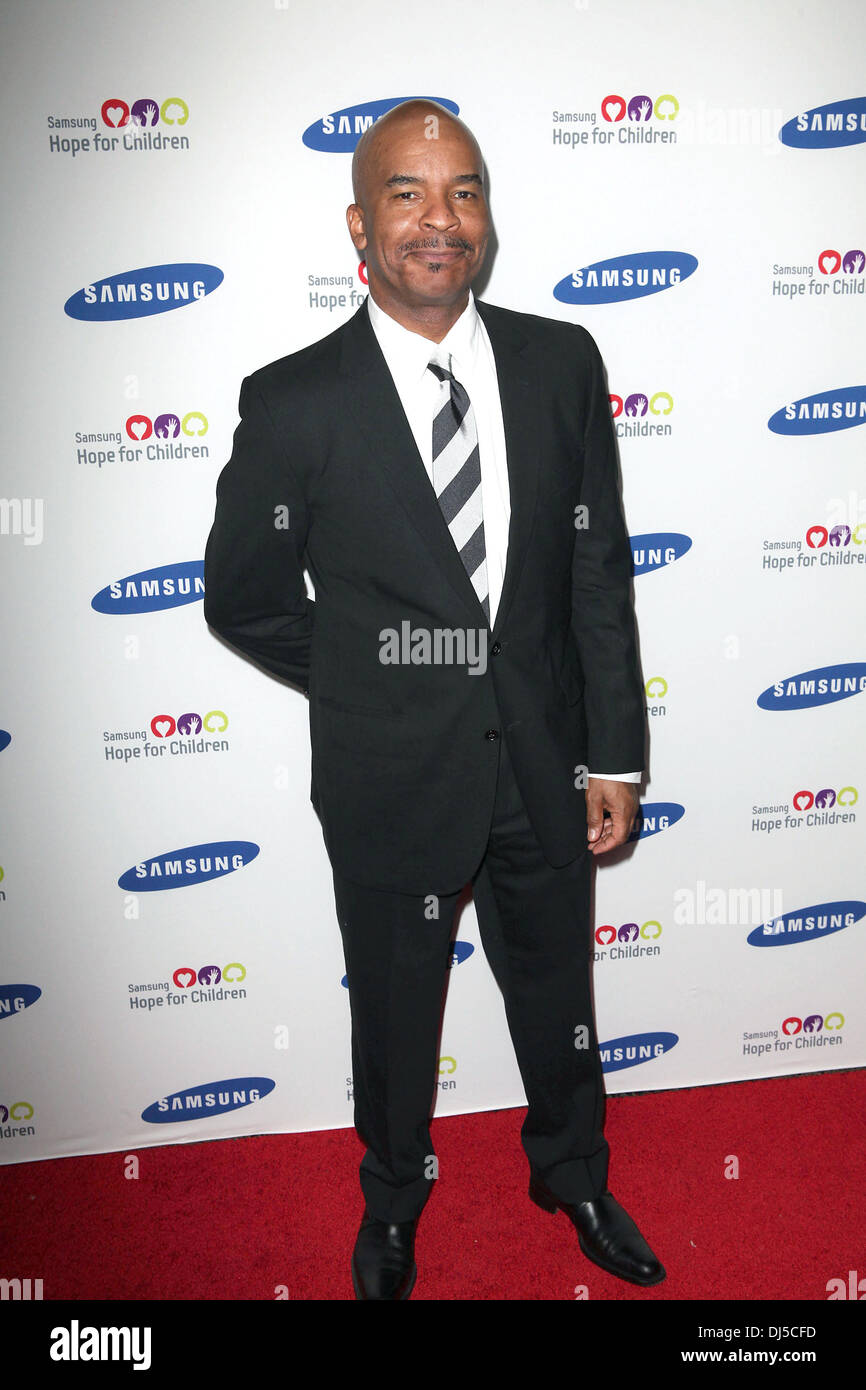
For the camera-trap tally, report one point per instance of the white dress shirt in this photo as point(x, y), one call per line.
point(472, 363)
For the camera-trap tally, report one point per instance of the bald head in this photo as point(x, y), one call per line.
point(380, 141)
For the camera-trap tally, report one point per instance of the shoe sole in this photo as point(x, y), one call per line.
point(546, 1204)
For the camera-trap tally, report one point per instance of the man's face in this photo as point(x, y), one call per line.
point(424, 223)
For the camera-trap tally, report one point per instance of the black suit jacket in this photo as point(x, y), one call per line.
point(404, 757)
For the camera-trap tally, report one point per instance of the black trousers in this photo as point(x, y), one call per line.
point(535, 930)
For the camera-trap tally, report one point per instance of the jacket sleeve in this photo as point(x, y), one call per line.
point(603, 619)
point(255, 595)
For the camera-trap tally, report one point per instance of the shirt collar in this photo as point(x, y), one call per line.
point(408, 353)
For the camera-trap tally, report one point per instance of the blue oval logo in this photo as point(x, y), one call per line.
point(5, 739)
point(823, 686)
point(460, 951)
point(626, 277)
point(214, 1098)
point(827, 127)
point(655, 816)
point(168, 586)
point(195, 864)
point(656, 549)
point(807, 924)
point(136, 294)
point(15, 998)
point(630, 1051)
point(822, 414)
point(340, 132)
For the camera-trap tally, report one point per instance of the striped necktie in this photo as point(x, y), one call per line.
point(457, 476)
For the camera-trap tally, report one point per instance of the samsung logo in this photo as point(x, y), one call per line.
point(827, 127)
point(460, 951)
point(152, 290)
point(630, 1051)
point(15, 998)
point(340, 132)
point(169, 586)
point(195, 864)
point(657, 549)
point(830, 410)
point(807, 924)
point(823, 686)
point(5, 739)
point(626, 277)
point(656, 816)
point(214, 1098)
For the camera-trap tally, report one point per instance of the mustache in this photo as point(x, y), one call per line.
point(436, 244)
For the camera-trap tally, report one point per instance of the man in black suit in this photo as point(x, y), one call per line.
point(446, 471)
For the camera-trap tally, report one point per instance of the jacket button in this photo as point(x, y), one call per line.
point(496, 649)
point(492, 735)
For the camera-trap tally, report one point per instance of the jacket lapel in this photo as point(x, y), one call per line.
point(375, 410)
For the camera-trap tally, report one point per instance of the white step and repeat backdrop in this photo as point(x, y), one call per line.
point(687, 182)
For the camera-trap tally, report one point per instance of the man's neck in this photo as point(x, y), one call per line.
point(433, 321)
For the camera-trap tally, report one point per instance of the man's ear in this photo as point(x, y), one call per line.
point(355, 223)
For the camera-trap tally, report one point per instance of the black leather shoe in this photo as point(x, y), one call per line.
point(383, 1261)
point(606, 1235)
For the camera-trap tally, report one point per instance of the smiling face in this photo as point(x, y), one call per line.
point(421, 217)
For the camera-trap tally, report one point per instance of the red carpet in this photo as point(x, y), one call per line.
point(234, 1218)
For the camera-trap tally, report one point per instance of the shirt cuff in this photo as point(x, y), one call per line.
point(618, 776)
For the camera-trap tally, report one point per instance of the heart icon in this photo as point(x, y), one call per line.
point(816, 536)
point(115, 112)
point(829, 262)
point(605, 935)
point(139, 427)
point(617, 104)
point(162, 725)
point(182, 978)
point(802, 801)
